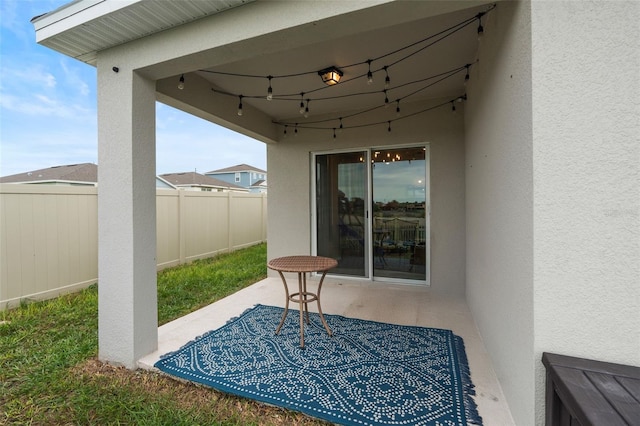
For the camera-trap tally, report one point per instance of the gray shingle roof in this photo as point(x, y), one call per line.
point(238, 168)
point(84, 172)
point(196, 179)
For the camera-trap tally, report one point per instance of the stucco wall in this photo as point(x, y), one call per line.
point(290, 182)
point(586, 126)
point(499, 202)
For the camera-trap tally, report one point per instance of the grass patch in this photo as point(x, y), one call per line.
point(49, 373)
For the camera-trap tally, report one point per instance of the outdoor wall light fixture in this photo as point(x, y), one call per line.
point(330, 75)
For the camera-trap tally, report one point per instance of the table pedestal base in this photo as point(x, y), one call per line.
point(303, 298)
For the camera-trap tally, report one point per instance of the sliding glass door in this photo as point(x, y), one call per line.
point(341, 223)
point(399, 194)
point(371, 212)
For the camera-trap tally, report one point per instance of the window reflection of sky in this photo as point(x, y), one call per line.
point(402, 181)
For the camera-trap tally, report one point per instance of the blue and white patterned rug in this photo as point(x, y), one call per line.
point(368, 373)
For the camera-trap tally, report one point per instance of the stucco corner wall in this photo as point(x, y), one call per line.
point(499, 199)
point(586, 122)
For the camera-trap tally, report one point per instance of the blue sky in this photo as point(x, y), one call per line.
point(48, 111)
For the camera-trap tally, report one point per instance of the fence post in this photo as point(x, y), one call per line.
point(182, 224)
point(263, 215)
point(229, 222)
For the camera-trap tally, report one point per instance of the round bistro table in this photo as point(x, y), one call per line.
point(302, 265)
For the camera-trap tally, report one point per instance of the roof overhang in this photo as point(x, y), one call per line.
point(82, 28)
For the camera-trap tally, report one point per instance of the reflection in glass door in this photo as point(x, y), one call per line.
point(341, 223)
point(399, 202)
point(371, 213)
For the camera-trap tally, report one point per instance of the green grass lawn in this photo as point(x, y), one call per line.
point(49, 374)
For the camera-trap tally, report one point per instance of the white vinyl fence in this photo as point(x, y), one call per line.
point(49, 234)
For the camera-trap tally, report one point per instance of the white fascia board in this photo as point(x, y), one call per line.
point(74, 14)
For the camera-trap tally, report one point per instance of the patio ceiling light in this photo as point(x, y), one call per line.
point(330, 75)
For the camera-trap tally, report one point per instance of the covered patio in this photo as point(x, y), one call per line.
point(530, 218)
point(391, 303)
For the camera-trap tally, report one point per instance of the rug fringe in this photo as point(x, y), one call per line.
point(468, 388)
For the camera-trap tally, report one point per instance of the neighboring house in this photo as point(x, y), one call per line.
point(243, 175)
point(531, 188)
point(192, 181)
point(85, 174)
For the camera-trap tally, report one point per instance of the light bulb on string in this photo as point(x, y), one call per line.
point(269, 90)
point(285, 130)
point(387, 80)
point(480, 27)
point(306, 109)
point(181, 82)
point(334, 133)
point(369, 73)
point(389, 128)
point(453, 107)
point(466, 77)
point(386, 98)
point(398, 107)
point(341, 126)
point(301, 103)
point(240, 106)
point(295, 130)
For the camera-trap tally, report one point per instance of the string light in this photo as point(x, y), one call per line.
point(388, 122)
point(181, 82)
point(453, 107)
point(285, 130)
point(334, 132)
point(295, 130)
point(387, 80)
point(269, 90)
point(305, 100)
point(480, 27)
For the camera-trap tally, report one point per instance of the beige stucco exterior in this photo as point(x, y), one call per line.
point(535, 187)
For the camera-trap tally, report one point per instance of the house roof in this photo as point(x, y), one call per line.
point(109, 24)
point(84, 172)
point(238, 168)
point(197, 179)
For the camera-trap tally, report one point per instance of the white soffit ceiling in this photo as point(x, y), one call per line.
point(441, 56)
point(83, 27)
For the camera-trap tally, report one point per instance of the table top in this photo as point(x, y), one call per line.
point(302, 264)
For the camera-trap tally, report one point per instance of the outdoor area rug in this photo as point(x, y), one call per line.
point(368, 373)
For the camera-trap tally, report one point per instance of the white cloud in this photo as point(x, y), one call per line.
point(73, 79)
point(43, 105)
point(31, 75)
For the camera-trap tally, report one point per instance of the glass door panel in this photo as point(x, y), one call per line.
point(399, 192)
point(341, 223)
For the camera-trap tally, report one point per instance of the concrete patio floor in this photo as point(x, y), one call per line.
point(384, 302)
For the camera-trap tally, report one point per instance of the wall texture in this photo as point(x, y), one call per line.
point(289, 163)
point(586, 127)
point(49, 235)
point(499, 202)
